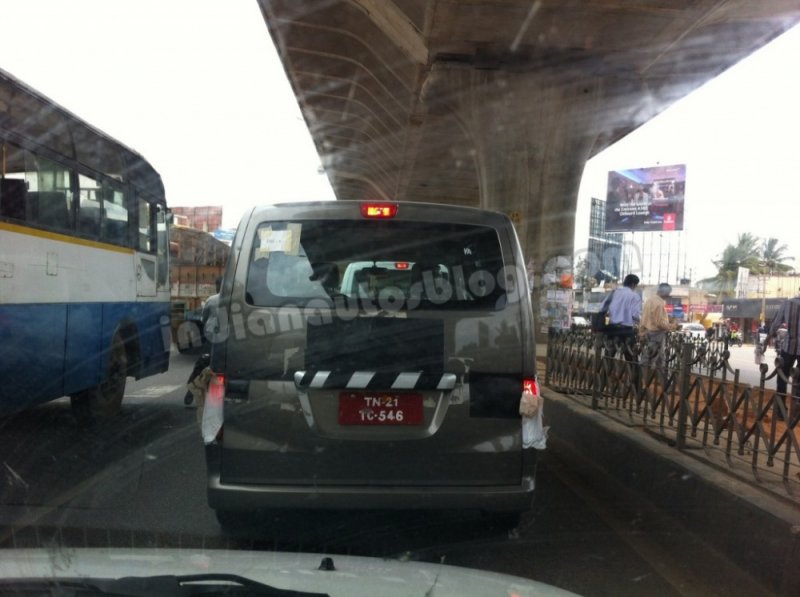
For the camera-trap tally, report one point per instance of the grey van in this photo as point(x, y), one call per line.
point(371, 355)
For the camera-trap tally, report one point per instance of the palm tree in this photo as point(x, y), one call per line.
point(773, 257)
point(745, 253)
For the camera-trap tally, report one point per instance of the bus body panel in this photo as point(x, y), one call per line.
point(66, 345)
point(62, 299)
point(145, 321)
point(84, 345)
point(32, 339)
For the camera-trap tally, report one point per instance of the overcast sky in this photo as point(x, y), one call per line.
point(739, 136)
point(196, 87)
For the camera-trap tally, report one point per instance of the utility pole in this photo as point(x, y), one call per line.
point(669, 256)
point(660, 255)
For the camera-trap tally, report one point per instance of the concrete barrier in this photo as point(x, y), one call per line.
point(756, 531)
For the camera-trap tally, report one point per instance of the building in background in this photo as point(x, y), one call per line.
point(197, 260)
point(207, 218)
point(598, 264)
point(759, 300)
point(604, 249)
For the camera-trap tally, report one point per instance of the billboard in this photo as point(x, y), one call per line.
point(646, 199)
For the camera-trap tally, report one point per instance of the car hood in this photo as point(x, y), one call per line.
point(353, 576)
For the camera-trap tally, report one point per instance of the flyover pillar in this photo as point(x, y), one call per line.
point(532, 132)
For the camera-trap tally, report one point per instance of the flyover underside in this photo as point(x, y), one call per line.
point(498, 103)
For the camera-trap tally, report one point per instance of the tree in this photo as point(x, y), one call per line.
point(773, 256)
point(760, 256)
point(583, 278)
point(745, 253)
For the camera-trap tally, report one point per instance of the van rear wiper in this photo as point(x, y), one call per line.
point(153, 586)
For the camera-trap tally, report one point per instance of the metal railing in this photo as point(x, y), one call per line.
point(691, 397)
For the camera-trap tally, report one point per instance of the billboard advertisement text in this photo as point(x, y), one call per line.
point(646, 199)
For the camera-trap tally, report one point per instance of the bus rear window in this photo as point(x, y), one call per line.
point(386, 265)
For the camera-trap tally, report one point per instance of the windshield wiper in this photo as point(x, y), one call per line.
point(153, 586)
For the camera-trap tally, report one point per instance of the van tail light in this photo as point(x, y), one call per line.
point(213, 410)
point(529, 384)
point(379, 210)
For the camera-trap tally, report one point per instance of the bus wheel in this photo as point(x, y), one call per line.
point(103, 400)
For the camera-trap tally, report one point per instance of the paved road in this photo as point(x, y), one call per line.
point(743, 358)
point(140, 482)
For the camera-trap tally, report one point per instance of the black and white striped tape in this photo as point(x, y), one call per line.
point(374, 380)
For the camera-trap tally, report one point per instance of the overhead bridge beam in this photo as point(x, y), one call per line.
point(396, 26)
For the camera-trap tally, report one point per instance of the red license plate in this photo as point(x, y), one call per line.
point(380, 408)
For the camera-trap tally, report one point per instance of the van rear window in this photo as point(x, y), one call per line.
point(389, 265)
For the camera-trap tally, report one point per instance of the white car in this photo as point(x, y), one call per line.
point(196, 572)
point(580, 322)
point(693, 330)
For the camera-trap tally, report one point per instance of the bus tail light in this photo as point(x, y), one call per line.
point(379, 210)
point(213, 410)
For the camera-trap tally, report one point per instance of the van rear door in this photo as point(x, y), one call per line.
point(376, 353)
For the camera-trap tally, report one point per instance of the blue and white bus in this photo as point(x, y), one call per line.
point(84, 272)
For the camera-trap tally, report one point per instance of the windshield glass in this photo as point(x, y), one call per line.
point(402, 264)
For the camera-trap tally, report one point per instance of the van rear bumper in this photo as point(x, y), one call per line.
point(245, 497)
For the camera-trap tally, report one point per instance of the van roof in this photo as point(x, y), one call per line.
point(407, 210)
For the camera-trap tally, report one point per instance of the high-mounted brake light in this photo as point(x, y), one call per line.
point(530, 385)
point(379, 210)
point(401, 265)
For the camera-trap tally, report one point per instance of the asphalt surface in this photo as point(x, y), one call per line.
point(140, 481)
point(743, 359)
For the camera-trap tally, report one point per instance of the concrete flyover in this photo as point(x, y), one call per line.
point(499, 103)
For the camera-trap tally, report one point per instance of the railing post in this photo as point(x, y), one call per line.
point(548, 356)
point(683, 394)
point(597, 372)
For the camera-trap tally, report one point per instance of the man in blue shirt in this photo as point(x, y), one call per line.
point(625, 310)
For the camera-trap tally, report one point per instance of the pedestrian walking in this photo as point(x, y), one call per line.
point(654, 326)
point(624, 312)
point(787, 343)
